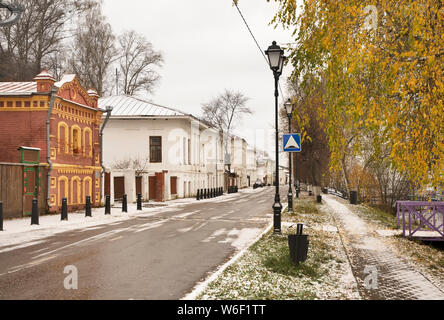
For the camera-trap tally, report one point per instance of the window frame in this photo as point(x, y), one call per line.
point(158, 151)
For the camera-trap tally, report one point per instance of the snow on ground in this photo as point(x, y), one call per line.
point(261, 272)
point(19, 233)
point(397, 277)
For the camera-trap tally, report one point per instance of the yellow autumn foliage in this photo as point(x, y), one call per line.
point(383, 63)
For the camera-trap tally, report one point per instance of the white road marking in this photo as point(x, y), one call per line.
point(184, 215)
point(28, 265)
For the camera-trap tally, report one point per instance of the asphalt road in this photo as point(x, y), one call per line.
point(161, 256)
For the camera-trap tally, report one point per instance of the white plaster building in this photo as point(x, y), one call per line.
point(159, 152)
point(252, 172)
point(265, 170)
point(239, 161)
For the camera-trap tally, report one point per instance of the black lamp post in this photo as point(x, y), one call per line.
point(276, 60)
point(289, 109)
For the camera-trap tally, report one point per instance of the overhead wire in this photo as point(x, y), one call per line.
point(254, 38)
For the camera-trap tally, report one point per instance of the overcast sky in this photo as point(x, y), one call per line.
point(207, 48)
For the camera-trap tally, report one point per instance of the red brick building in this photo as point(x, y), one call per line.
point(58, 125)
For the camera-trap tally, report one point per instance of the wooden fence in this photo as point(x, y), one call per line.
point(12, 189)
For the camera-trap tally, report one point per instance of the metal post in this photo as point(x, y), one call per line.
point(198, 195)
point(64, 209)
point(107, 204)
point(1, 216)
point(88, 207)
point(277, 206)
point(139, 202)
point(290, 190)
point(125, 203)
point(35, 213)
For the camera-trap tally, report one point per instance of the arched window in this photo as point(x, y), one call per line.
point(76, 140)
point(62, 189)
point(87, 142)
point(62, 137)
point(76, 194)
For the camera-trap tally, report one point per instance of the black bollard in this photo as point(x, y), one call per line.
point(354, 197)
point(299, 229)
point(88, 207)
point(205, 193)
point(212, 193)
point(64, 209)
point(108, 205)
point(125, 203)
point(139, 202)
point(35, 213)
point(198, 195)
point(1, 216)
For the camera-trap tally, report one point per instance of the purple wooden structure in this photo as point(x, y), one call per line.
point(424, 220)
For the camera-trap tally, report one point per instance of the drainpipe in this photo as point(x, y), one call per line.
point(108, 115)
point(48, 146)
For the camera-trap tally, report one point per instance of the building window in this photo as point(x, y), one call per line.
point(155, 149)
point(76, 145)
point(189, 151)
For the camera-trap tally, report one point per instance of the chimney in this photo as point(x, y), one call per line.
point(45, 81)
point(94, 96)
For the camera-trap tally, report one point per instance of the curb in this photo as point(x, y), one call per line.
point(200, 287)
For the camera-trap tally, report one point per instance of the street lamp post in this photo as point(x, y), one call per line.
point(289, 109)
point(276, 60)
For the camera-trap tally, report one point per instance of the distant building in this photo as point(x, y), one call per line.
point(50, 130)
point(239, 161)
point(158, 152)
point(266, 170)
point(251, 162)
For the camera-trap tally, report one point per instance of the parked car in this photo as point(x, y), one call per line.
point(258, 184)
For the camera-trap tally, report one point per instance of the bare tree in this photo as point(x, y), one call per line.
point(137, 164)
point(137, 63)
point(40, 32)
point(226, 110)
point(93, 50)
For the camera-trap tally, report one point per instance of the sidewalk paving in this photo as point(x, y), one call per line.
point(19, 233)
point(397, 278)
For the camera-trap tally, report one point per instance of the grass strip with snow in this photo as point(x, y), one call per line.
point(265, 271)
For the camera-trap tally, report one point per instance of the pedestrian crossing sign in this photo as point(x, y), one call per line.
point(292, 142)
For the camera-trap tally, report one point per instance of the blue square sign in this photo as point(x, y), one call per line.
point(292, 142)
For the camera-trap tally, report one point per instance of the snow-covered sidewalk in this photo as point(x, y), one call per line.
point(381, 274)
point(19, 232)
